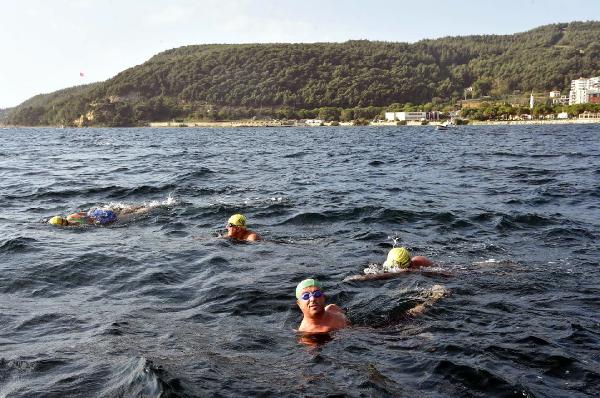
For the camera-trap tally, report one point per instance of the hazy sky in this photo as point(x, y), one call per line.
point(46, 44)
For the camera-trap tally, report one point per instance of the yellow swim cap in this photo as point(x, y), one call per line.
point(58, 220)
point(398, 257)
point(239, 220)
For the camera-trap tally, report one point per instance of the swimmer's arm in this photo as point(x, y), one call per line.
point(420, 261)
point(416, 310)
point(142, 210)
point(437, 292)
point(435, 273)
point(390, 275)
point(132, 211)
point(420, 308)
point(373, 277)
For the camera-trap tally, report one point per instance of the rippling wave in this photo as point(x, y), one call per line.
point(161, 306)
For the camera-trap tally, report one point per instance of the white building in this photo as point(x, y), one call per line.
point(418, 116)
point(558, 99)
point(313, 122)
point(554, 94)
point(582, 89)
point(390, 116)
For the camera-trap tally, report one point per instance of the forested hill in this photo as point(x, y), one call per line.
point(217, 81)
point(4, 115)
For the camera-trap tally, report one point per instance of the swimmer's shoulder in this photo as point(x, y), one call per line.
point(334, 308)
point(420, 261)
point(337, 316)
point(253, 237)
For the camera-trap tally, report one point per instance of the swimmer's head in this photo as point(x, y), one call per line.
point(58, 220)
point(304, 284)
point(237, 220)
point(398, 257)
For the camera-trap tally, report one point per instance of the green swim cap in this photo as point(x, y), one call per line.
point(58, 220)
point(398, 257)
point(239, 220)
point(304, 284)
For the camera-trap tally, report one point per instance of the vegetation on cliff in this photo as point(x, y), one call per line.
point(4, 115)
point(355, 79)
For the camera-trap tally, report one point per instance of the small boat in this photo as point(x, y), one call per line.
point(446, 125)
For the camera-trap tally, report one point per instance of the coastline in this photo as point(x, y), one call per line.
point(533, 122)
point(277, 123)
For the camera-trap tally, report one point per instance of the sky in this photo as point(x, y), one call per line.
point(47, 45)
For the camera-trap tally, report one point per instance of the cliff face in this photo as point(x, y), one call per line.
point(236, 81)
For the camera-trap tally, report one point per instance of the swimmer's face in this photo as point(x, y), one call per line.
point(314, 305)
point(235, 231)
point(233, 228)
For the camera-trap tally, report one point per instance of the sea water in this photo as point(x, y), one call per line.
point(161, 306)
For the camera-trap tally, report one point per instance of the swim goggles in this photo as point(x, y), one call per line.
point(307, 295)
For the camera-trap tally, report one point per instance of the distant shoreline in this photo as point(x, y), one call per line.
point(265, 123)
point(275, 123)
point(538, 122)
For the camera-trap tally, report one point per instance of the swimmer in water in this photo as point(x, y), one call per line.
point(318, 318)
point(399, 260)
point(321, 318)
point(236, 229)
point(100, 216)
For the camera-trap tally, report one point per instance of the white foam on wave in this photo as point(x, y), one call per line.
point(375, 268)
point(169, 201)
point(273, 199)
point(493, 261)
point(104, 143)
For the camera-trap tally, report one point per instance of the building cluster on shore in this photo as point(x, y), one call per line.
point(585, 91)
point(412, 116)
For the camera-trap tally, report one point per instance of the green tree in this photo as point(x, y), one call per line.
point(482, 87)
point(329, 113)
point(347, 115)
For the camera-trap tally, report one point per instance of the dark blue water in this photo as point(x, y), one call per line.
point(162, 307)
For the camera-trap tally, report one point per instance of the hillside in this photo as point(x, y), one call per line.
point(236, 81)
point(4, 115)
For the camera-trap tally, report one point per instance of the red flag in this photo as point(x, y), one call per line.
point(81, 74)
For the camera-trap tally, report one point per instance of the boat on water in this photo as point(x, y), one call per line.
point(446, 125)
point(443, 126)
